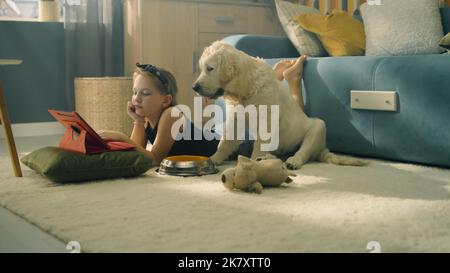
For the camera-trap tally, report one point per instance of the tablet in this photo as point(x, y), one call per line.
point(77, 123)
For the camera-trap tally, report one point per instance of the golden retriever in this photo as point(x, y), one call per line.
point(245, 80)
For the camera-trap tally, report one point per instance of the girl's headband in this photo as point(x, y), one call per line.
point(154, 71)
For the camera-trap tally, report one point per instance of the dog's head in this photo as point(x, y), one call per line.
point(219, 65)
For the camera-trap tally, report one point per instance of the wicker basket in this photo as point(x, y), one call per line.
point(102, 102)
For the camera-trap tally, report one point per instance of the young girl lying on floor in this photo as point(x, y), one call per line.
point(154, 91)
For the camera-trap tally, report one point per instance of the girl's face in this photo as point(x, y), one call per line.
point(147, 99)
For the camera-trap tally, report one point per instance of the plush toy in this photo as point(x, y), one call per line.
point(251, 175)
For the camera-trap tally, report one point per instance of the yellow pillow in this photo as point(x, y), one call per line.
point(340, 34)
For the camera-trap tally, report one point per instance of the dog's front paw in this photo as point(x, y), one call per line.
point(216, 159)
point(293, 163)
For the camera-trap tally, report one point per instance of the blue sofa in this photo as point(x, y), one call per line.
point(419, 131)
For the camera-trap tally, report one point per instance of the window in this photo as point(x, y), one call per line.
point(25, 9)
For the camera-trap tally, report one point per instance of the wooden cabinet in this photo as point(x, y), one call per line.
point(173, 33)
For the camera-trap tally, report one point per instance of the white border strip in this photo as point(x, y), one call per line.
point(35, 129)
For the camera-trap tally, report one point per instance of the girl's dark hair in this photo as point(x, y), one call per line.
point(163, 79)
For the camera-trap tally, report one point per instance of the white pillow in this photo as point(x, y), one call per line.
point(402, 27)
point(305, 42)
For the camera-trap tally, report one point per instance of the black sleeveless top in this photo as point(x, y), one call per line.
point(201, 147)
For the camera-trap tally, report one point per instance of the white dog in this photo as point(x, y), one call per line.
point(245, 80)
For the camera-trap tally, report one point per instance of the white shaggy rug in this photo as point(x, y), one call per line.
point(404, 207)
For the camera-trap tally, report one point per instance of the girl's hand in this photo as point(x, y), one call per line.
point(114, 136)
point(131, 110)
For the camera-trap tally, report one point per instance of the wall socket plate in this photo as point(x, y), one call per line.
point(374, 100)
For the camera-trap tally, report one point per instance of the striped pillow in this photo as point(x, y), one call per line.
point(305, 42)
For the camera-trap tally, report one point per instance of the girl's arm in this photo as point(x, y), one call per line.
point(118, 136)
point(163, 142)
point(138, 134)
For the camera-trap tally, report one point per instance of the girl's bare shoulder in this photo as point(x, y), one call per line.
point(166, 115)
point(167, 120)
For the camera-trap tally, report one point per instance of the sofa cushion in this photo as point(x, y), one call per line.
point(419, 130)
point(340, 33)
point(402, 27)
point(60, 165)
point(305, 42)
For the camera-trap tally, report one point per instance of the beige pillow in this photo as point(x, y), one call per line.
point(305, 42)
point(402, 27)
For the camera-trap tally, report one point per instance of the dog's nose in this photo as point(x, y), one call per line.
point(197, 87)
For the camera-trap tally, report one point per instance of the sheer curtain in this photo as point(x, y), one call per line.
point(93, 40)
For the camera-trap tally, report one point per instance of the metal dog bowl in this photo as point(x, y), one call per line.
point(187, 165)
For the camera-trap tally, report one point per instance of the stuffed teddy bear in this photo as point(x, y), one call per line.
point(251, 175)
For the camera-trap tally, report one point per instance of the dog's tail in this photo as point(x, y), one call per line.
point(327, 156)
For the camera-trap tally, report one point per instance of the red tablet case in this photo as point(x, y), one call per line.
point(80, 137)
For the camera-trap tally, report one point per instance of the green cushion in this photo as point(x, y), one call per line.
point(445, 42)
point(63, 166)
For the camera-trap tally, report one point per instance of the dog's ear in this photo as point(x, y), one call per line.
point(229, 63)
